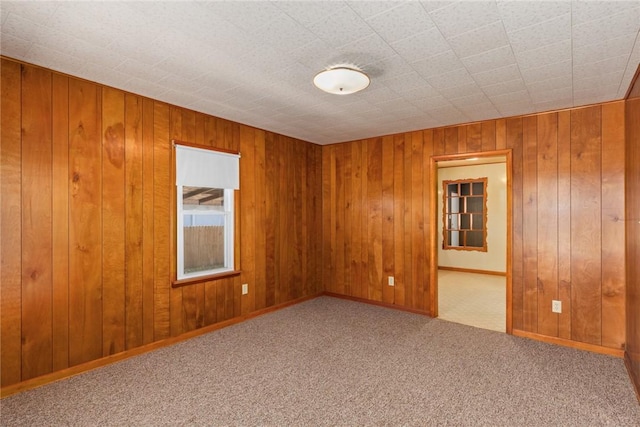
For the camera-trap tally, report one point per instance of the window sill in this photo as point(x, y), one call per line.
point(208, 278)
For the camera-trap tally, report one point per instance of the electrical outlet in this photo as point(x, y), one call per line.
point(245, 288)
point(392, 281)
point(556, 306)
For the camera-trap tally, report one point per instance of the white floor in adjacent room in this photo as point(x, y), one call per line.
point(473, 299)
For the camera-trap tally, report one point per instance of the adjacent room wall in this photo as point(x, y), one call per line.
point(632, 221)
point(86, 222)
point(568, 201)
point(495, 258)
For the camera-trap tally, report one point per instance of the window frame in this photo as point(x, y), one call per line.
point(231, 245)
point(463, 198)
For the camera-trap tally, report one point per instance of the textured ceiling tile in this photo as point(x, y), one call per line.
point(342, 27)
point(554, 105)
point(482, 39)
point(467, 89)
point(387, 68)
point(504, 87)
point(308, 13)
point(552, 95)
point(368, 9)
point(437, 64)
point(510, 72)
point(511, 98)
point(544, 33)
point(24, 29)
point(13, 46)
point(585, 11)
point(401, 22)
point(600, 68)
point(479, 98)
point(603, 50)
point(549, 54)
point(35, 11)
point(284, 34)
point(452, 79)
point(434, 102)
point(367, 50)
point(547, 72)
point(56, 60)
point(245, 15)
point(463, 16)
point(405, 82)
point(609, 27)
point(550, 84)
point(422, 45)
point(496, 58)
point(520, 14)
point(516, 109)
point(608, 80)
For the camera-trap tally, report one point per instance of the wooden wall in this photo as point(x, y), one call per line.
point(568, 205)
point(86, 222)
point(632, 222)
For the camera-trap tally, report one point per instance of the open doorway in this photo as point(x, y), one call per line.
point(470, 227)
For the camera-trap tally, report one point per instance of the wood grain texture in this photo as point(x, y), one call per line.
point(632, 229)
point(530, 224)
point(11, 223)
point(547, 222)
point(613, 228)
point(564, 223)
point(388, 251)
point(85, 223)
point(113, 222)
point(586, 232)
point(60, 221)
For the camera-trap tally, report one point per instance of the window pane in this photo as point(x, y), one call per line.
point(454, 239)
point(465, 221)
point(478, 188)
point(474, 204)
point(465, 189)
point(474, 239)
point(203, 242)
point(453, 205)
point(203, 198)
point(477, 221)
point(452, 189)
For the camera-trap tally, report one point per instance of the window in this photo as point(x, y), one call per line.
point(205, 184)
point(465, 214)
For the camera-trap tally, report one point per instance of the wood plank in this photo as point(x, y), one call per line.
point(586, 213)
point(177, 321)
point(388, 219)
point(475, 133)
point(462, 138)
point(199, 288)
point(10, 223)
point(113, 224)
point(37, 280)
point(85, 223)
point(427, 188)
point(364, 263)
point(530, 224)
point(418, 244)
point(398, 219)
point(357, 212)
point(438, 142)
point(248, 217)
point(501, 134)
point(564, 223)
point(613, 228)
point(260, 221)
point(348, 218)
point(271, 220)
point(374, 196)
point(451, 140)
point(133, 146)
point(514, 142)
point(547, 220)
point(148, 221)
point(60, 224)
point(489, 133)
point(329, 170)
point(162, 231)
point(410, 286)
point(338, 277)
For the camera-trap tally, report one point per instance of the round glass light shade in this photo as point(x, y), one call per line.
point(341, 80)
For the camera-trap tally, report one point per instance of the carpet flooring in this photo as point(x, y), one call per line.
point(331, 362)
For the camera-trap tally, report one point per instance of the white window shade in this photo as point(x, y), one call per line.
point(197, 167)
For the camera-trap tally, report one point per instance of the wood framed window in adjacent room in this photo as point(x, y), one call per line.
point(465, 214)
point(206, 180)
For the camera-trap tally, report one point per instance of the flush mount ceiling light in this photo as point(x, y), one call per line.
point(341, 80)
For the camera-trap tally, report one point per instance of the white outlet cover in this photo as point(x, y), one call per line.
point(556, 306)
point(392, 281)
point(245, 288)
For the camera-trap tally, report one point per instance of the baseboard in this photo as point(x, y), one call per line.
point(635, 380)
point(378, 303)
point(471, 270)
point(99, 363)
point(569, 343)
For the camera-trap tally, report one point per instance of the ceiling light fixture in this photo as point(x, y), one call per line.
point(341, 80)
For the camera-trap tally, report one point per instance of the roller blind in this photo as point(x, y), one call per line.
point(196, 167)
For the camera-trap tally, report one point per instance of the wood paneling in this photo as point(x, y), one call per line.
point(87, 217)
point(632, 227)
point(566, 195)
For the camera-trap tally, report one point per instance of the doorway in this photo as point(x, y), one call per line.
point(459, 259)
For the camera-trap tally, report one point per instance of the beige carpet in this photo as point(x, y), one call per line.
point(473, 299)
point(330, 362)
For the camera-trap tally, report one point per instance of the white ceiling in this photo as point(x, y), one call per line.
point(432, 63)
